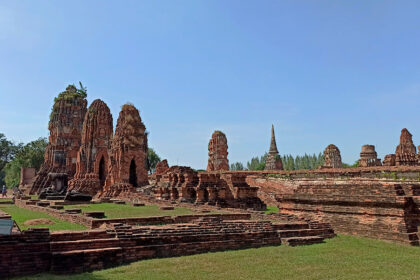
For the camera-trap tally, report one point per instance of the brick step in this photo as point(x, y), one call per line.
point(74, 236)
point(300, 232)
point(89, 244)
point(290, 226)
point(78, 261)
point(304, 240)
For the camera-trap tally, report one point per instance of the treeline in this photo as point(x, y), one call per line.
point(15, 156)
point(289, 162)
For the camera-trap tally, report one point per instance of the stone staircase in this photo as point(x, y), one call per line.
point(72, 252)
point(302, 233)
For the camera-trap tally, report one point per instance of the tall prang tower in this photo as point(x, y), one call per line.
point(273, 160)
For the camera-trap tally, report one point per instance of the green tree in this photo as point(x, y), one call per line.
point(8, 151)
point(30, 155)
point(152, 160)
point(237, 166)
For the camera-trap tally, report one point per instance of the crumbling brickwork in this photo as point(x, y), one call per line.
point(92, 159)
point(332, 157)
point(128, 154)
point(228, 189)
point(65, 128)
point(64, 252)
point(218, 152)
point(369, 157)
point(406, 153)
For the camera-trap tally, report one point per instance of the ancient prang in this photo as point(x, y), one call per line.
point(369, 157)
point(406, 153)
point(332, 157)
point(65, 128)
point(92, 159)
point(218, 152)
point(128, 154)
point(83, 148)
point(273, 160)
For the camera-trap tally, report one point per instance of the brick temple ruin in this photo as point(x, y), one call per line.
point(83, 146)
point(377, 199)
point(218, 152)
point(273, 160)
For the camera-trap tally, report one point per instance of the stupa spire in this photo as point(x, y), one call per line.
point(273, 145)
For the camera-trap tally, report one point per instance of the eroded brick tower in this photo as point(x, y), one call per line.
point(92, 159)
point(332, 157)
point(218, 152)
point(405, 154)
point(65, 128)
point(128, 154)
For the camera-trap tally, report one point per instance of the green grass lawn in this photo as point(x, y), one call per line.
point(271, 209)
point(343, 257)
point(20, 215)
point(125, 210)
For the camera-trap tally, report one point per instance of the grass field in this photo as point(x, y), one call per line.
point(271, 209)
point(343, 257)
point(20, 215)
point(125, 210)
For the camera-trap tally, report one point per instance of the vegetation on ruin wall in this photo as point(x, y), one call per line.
point(113, 211)
point(71, 94)
point(343, 257)
point(21, 215)
point(271, 209)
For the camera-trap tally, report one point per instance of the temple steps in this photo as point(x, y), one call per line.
point(290, 226)
point(88, 244)
point(300, 233)
point(303, 240)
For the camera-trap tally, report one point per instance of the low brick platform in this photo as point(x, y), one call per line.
point(381, 208)
point(38, 250)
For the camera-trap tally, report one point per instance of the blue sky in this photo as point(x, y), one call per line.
point(341, 72)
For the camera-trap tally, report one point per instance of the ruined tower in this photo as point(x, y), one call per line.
point(405, 154)
point(273, 160)
point(332, 157)
point(128, 154)
point(92, 159)
point(65, 128)
point(218, 152)
point(369, 157)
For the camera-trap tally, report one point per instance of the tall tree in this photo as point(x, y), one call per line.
point(237, 166)
point(30, 155)
point(8, 151)
point(152, 160)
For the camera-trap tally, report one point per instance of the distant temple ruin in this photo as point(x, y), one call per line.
point(273, 160)
point(369, 157)
point(332, 157)
point(218, 152)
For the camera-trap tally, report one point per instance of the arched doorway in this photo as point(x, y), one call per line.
point(102, 175)
point(133, 174)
